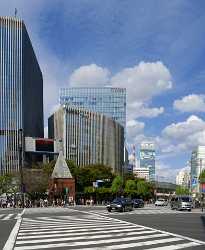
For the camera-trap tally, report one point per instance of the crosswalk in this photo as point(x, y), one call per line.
point(104, 212)
point(12, 216)
point(92, 232)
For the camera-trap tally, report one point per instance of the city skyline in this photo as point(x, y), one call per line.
point(159, 49)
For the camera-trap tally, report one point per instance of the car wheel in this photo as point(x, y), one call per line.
point(109, 210)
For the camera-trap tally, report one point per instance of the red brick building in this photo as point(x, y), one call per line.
point(62, 184)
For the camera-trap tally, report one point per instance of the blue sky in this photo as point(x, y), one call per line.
point(155, 48)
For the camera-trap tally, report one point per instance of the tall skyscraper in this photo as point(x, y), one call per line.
point(108, 101)
point(88, 137)
point(197, 165)
point(21, 92)
point(147, 158)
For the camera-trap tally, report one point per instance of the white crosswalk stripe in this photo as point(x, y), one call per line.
point(138, 211)
point(13, 216)
point(93, 232)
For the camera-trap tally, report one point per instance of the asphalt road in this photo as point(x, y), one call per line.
point(92, 227)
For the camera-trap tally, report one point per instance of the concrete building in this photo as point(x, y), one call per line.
point(183, 178)
point(88, 137)
point(197, 165)
point(147, 158)
point(142, 173)
point(21, 92)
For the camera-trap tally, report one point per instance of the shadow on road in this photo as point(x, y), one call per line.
point(203, 220)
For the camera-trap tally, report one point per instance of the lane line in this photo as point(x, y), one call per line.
point(179, 246)
point(9, 245)
point(8, 217)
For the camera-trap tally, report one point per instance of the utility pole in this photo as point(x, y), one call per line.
point(20, 137)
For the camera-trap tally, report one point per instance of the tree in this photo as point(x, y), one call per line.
point(130, 187)
point(202, 177)
point(117, 185)
point(145, 189)
point(182, 191)
point(6, 183)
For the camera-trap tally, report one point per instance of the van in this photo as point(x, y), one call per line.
point(181, 203)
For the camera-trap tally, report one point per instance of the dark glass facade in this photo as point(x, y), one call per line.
point(21, 92)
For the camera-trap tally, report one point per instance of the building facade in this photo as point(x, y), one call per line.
point(142, 173)
point(21, 92)
point(108, 101)
point(147, 158)
point(197, 165)
point(183, 178)
point(88, 137)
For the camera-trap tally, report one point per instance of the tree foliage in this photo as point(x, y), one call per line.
point(130, 188)
point(117, 185)
point(202, 176)
point(182, 191)
point(6, 185)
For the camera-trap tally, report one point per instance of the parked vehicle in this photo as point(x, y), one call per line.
point(181, 203)
point(161, 202)
point(138, 203)
point(120, 204)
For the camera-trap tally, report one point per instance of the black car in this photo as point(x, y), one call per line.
point(121, 205)
point(138, 203)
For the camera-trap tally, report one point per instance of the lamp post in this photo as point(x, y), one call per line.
point(20, 140)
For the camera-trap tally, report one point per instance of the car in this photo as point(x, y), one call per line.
point(181, 203)
point(120, 204)
point(161, 202)
point(138, 203)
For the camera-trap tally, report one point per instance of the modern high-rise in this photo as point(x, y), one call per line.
point(147, 158)
point(21, 92)
point(197, 165)
point(88, 137)
point(183, 178)
point(108, 101)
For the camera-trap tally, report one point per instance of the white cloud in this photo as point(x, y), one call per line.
point(89, 76)
point(191, 103)
point(140, 109)
point(183, 136)
point(143, 81)
point(134, 128)
point(165, 172)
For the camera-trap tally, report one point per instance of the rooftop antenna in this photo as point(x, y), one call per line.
point(15, 12)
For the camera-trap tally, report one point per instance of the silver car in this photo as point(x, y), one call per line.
point(181, 203)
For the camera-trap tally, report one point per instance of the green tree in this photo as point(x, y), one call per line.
point(182, 191)
point(202, 176)
point(117, 185)
point(130, 187)
point(6, 183)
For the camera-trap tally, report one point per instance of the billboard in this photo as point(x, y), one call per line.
point(45, 145)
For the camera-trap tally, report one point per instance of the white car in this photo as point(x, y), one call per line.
point(161, 202)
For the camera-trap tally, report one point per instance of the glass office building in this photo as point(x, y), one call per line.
point(147, 158)
point(108, 101)
point(21, 92)
point(88, 137)
point(197, 166)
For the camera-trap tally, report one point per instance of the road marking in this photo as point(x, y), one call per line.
point(179, 246)
point(138, 231)
point(12, 237)
point(8, 217)
point(82, 230)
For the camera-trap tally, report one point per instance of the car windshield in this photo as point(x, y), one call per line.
point(186, 199)
point(160, 199)
point(118, 200)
